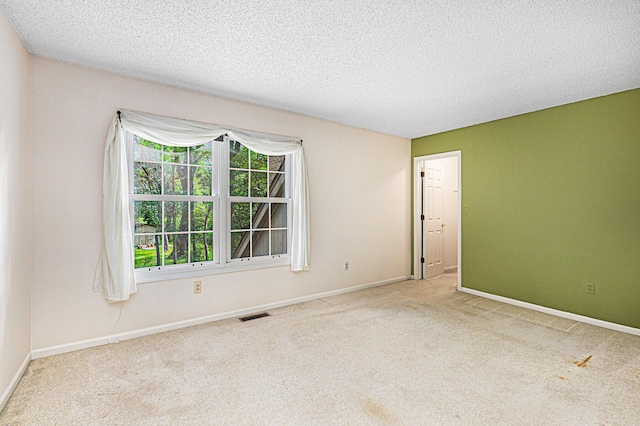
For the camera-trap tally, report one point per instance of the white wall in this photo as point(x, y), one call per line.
point(15, 207)
point(450, 216)
point(359, 184)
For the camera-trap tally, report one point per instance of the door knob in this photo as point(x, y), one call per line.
point(443, 225)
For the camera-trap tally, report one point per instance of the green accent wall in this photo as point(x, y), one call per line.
point(554, 202)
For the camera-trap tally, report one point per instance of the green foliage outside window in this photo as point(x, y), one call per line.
point(254, 225)
point(179, 229)
point(172, 232)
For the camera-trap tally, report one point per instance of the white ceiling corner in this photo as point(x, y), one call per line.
point(406, 68)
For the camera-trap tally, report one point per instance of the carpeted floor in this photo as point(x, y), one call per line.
point(415, 352)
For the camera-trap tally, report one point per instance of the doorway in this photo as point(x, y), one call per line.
point(437, 220)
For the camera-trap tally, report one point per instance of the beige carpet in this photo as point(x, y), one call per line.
point(407, 353)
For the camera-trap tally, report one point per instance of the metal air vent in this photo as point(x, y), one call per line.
point(256, 316)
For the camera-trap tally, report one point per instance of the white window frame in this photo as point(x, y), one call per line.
point(222, 221)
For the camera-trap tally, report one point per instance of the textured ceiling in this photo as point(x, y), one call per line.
point(407, 68)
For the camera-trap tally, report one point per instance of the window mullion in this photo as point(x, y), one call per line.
point(162, 172)
point(224, 221)
point(189, 190)
point(162, 222)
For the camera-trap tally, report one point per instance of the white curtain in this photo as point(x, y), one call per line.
point(115, 276)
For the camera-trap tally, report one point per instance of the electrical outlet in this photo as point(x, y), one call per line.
point(466, 211)
point(197, 287)
point(590, 288)
point(346, 266)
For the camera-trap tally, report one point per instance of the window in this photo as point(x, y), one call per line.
point(183, 221)
point(172, 207)
point(258, 209)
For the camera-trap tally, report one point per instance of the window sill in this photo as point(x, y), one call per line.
point(190, 271)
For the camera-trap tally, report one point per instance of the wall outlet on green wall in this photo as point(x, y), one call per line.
point(590, 288)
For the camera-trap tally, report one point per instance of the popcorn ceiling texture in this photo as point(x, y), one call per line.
point(407, 68)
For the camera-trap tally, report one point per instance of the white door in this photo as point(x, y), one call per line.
point(432, 224)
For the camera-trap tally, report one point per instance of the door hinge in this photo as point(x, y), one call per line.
point(421, 217)
point(422, 260)
point(421, 174)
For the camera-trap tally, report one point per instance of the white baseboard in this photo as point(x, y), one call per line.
point(14, 382)
point(550, 311)
point(114, 338)
point(451, 268)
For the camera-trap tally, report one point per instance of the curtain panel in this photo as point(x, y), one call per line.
point(115, 277)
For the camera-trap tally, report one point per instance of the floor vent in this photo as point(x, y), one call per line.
point(256, 316)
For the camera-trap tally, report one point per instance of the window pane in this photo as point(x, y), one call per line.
point(276, 184)
point(200, 154)
point(175, 154)
point(259, 215)
point(147, 178)
point(202, 247)
point(258, 184)
point(201, 216)
point(240, 244)
point(258, 161)
point(278, 215)
point(176, 249)
point(238, 155)
point(279, 242)
point(200, 180)
point(240, 216)
point(261, 243)
point(238, 183)
point(144, 150)
point(276, 163)
point(147, 250)
point(147, 217)
point(176, 216)
point(175, 180)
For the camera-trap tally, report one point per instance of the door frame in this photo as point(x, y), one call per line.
point(417, 238)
